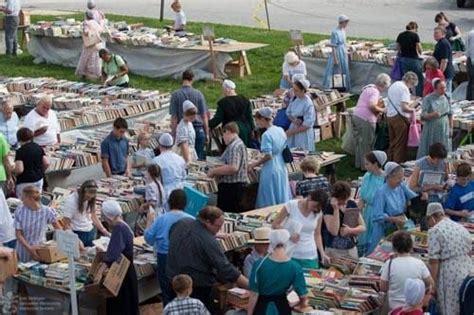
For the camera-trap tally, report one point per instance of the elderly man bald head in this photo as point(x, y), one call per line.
point(8, 121)
point(44, 123)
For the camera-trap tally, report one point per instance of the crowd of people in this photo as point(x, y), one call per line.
point(318, 220)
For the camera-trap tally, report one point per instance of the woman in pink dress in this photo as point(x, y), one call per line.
point(89, 66)
point(432, 71)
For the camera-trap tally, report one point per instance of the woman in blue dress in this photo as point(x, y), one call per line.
point(267, 292)
point(371, 182)
point(274, 187)
point(302, 115)
point(339, 58)
point(390, 203)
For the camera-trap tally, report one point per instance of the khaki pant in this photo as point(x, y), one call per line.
point(398, 137)
point(334, 252)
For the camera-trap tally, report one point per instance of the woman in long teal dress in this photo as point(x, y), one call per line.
point(268, 292)
point(302, 115)
point(339, 58)
point(436, 117)
point(274, 187)
point(371, 182)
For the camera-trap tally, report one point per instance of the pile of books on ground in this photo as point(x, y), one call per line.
point(70, 156)
point(463, 115)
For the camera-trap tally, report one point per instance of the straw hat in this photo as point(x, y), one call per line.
point(261, 236)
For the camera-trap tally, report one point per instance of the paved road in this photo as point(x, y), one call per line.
point(370, 18)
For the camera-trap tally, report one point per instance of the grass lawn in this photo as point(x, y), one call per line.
point(266, 67)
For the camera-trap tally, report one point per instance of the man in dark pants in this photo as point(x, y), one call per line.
point(195, 251)
point(232, 176)
point(12, 20)
point(201, 126)
point(470, 65)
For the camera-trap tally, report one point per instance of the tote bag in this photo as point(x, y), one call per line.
point(397, 73)
point(414, 138)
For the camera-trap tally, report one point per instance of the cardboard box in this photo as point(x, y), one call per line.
point(50, 254)
point(235, 69)
point(8, 266)
point(116, 274)
point(25, 18)
point(151, 309)
point(326, 131)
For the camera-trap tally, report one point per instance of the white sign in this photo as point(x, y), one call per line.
point(68, 243)
point(208, 31)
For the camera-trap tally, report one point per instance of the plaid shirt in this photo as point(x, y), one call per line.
point(235, 154)
point(185, 306)
point(306, 186)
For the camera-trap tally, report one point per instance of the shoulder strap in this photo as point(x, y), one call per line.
point(389, 270)
point(393, 105)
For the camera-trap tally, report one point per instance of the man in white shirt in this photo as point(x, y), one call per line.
point(470, 65)
point(9, 122)
point(44, 123)
point(398, 115)
point(12, 11)
point(180, 18)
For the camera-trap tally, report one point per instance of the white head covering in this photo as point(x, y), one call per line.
point(89, 14)
point(166, 140)
point(306, 84)
point(279, 237)
point(90, 4)
point(291, 57)
point(342, 18)
point(434, 207)
point(381, 157)
point(298, 77)
point(266, 112)
point(414, 291)
point(228, 84)
point(187, 105)
point(389, 167)
point(111, 209)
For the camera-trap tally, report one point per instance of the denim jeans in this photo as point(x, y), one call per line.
point(200, 145)
point(11, 28)
point(86, 237)
point(166, 292)
point(414, 65)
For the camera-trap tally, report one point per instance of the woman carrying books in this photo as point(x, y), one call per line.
point(342, 223)
point(31, 221)
point(80, 213)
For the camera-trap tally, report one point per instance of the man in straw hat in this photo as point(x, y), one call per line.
point(260, 242)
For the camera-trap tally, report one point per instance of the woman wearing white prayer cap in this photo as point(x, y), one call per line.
point(267, 292)
point(291, 66)
point(302, 115)
point(338, 61)
point(234, 108)
point(390, 203)
point(121, 243)
point(449, 247)
point(273, 188)
point(98, 16)
point(185, 134)
point(372, 181)
point(416, 296)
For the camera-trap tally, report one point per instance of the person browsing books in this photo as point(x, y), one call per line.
point(232, 176)
point(342, 223)
point(417, 295)
point(260, 242)
point(460, 202)
point(114, 150)
point(44, 123)
point(114, 69)
point(9, 122)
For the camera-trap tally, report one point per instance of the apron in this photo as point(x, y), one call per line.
point(280, 302)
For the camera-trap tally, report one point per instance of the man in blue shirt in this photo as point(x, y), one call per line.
point(9, 122)
point(114, 150)
point(201, 124)
point(460, 202)
point(158, 235)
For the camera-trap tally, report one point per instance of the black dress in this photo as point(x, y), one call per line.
point(121, 242)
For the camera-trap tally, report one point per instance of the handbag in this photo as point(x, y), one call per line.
point(397, 73)
point(338, 79)
point(414, 138)
point(287, 156)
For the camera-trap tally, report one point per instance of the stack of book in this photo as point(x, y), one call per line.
point(238, 298)
point(234, 240)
